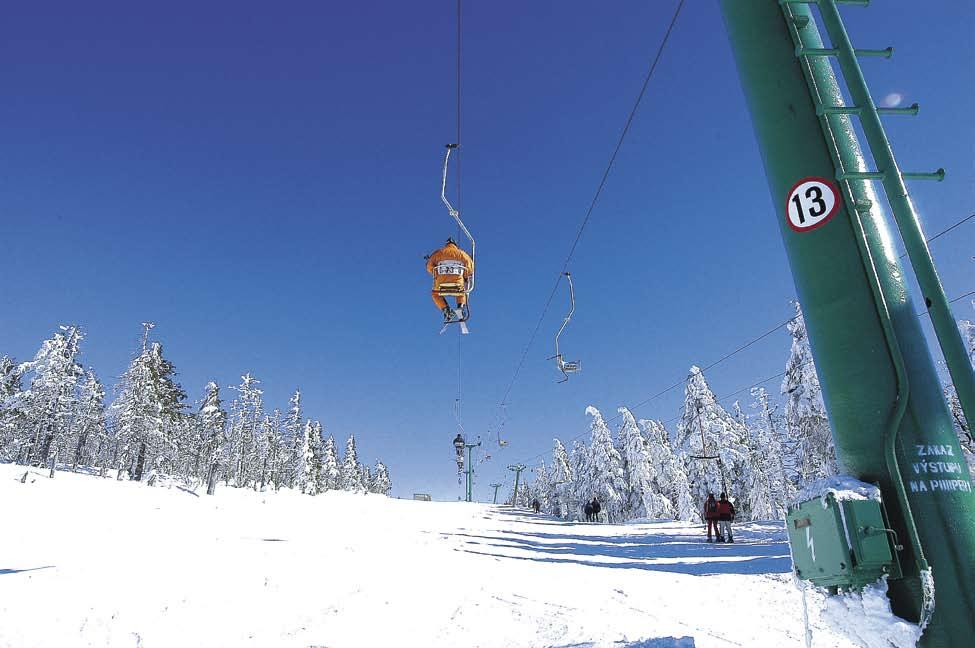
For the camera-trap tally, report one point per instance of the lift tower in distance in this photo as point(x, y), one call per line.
point(888, 415)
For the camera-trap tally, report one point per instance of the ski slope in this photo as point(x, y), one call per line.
point(86, 561)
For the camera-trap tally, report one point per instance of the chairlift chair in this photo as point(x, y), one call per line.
point(566, 366)
point(504, 419)
point(461, 287)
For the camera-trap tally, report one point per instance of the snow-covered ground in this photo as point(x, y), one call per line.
point(95, 562)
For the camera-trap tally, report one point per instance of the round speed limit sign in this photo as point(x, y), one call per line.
point(811, 203)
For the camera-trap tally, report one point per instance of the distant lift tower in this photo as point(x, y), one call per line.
point(460, 445)
point(517, 468)
point(495, 487)
point(890, 423)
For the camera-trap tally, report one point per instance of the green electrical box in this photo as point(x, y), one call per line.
point(842, 543)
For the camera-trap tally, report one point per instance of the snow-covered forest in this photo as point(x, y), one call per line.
point(760, 455)
point(54, 413)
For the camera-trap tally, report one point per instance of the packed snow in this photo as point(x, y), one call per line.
point(841, 487)
point(867, 616)
point(89, 561)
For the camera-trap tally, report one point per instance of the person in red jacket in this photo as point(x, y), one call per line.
point(726, 513)
point(711, 515)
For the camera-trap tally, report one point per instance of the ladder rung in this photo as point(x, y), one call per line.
point(937, 176)
point(857, 3)
point(860, 175)
point(837, 110)
point(910, 110)
point(832, 51)
point(816, 51)
point(887, 52)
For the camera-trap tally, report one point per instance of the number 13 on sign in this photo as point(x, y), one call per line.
point(811, 203)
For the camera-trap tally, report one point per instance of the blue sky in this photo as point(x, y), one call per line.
point(262, 182)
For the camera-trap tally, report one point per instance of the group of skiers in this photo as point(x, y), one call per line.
point(719, 514)
point(591, 509)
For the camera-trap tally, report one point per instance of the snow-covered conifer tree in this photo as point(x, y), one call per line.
point(643, 499)
point(9, 378)
point(90, 432)
point(293, 424)
point(267, 451)
point(246, 417)
point(805, 413)
point(49, 405)
point(315, 475)
point(609, 484)
point(670, 471)
point(351, 475)
point(146, 414)
point(583, 479)
point(560, 482)
point(381, 483)
point(366, 478)
point(212, 423)
point(10, 413)
point(713, 444)
point(542, 487)
point(330, 474)
point(302, 459)
point(770, 489)
point(278, 451)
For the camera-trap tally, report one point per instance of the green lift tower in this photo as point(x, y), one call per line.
point(889, 419)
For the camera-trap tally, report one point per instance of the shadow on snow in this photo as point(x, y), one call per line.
point(658, 642)
point(759, 548)
point(4, 572)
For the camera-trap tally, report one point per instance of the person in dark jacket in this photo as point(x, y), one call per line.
point(536, 505)
point(711, 516)
point(596, 508)
point(726, 513)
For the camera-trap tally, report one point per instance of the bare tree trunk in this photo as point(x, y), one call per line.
point(140, 463)
point(212, 478)
point(33, 446)
point(82, 440)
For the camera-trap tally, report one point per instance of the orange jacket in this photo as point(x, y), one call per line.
point(451, 252)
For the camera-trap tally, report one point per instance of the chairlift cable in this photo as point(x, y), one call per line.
point(595, 199)
point(460, 338)
point(725, 396)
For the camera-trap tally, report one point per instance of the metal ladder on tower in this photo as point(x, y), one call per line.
point(799, 18)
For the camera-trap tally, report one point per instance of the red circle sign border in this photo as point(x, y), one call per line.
point(829, 216)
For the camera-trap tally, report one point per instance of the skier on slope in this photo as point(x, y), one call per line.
point(711, 516)
point(452, 269)
point(596, 508)
point(726, 513)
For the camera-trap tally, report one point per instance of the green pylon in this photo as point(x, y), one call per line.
point(470, 469)
point(517, 468)
point(495, 487)
point(879, 381)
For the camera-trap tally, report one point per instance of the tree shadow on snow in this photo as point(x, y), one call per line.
point(4, 572)
point(657, 642)
point(527, 517)
point(753, 553)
